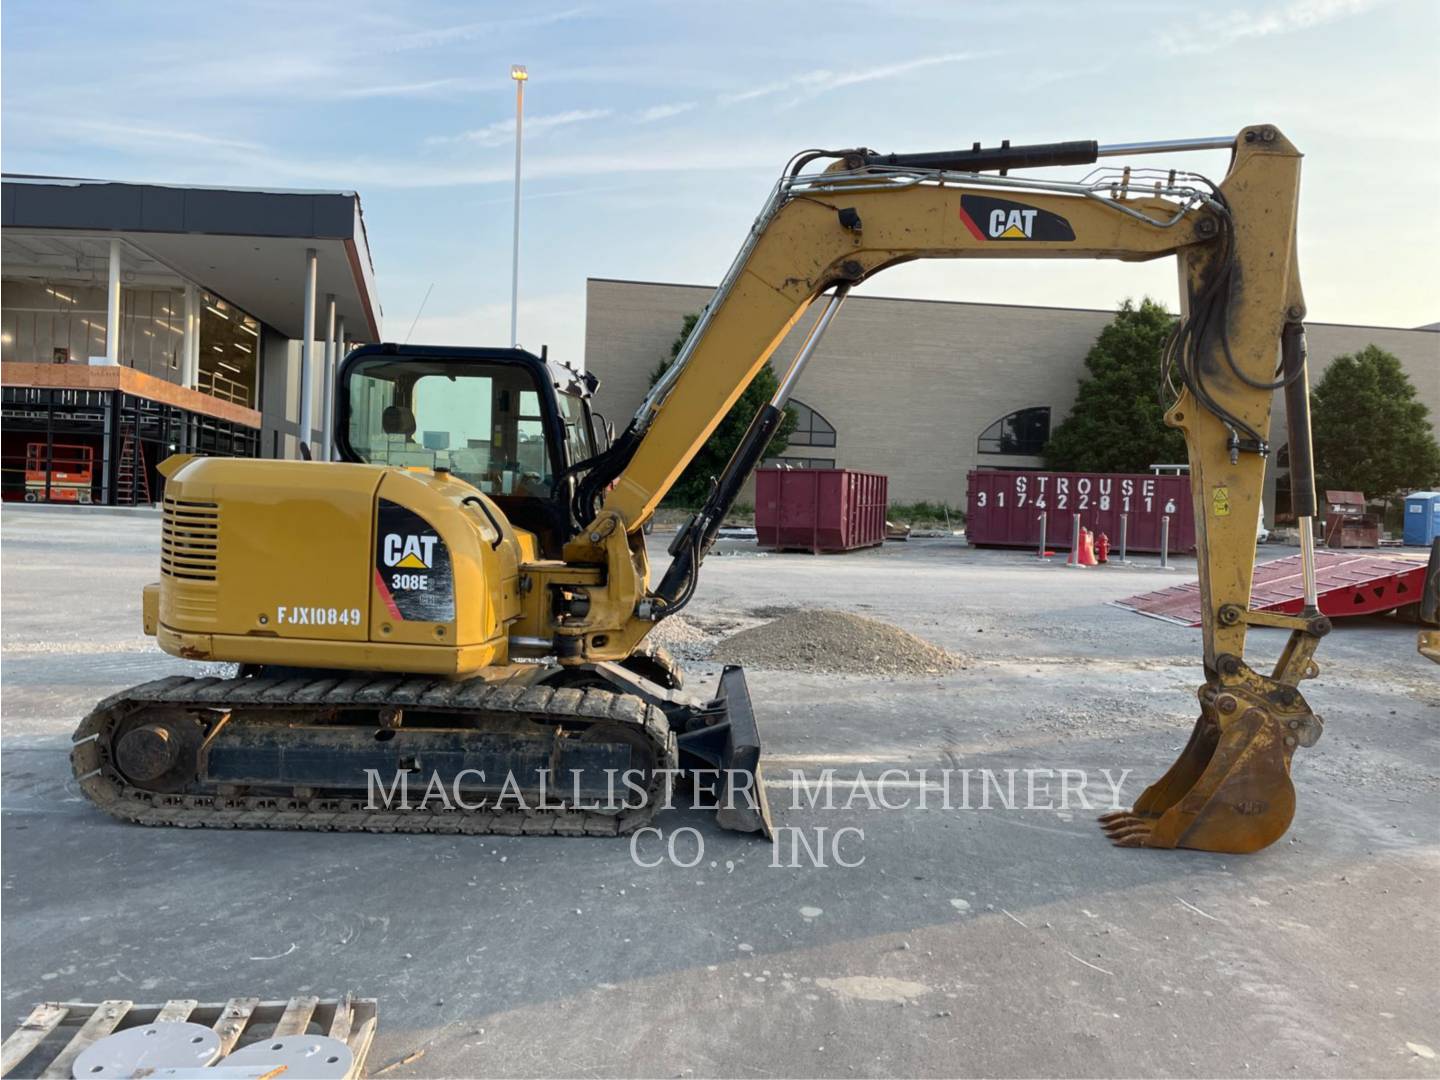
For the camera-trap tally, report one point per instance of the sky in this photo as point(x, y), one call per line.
point(654, 130)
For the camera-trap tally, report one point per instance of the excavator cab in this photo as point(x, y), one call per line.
point(506, 421)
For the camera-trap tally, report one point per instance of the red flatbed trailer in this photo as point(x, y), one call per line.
point(1347, 584)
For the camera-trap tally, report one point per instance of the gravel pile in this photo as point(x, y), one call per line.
point(683, 638)
point(821, 640)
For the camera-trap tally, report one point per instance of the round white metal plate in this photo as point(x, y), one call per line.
point(153, 1046)
point(315, 1057)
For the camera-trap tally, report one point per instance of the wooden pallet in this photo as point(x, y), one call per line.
point(55, 1033)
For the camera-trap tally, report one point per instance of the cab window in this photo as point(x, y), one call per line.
point(482, 422)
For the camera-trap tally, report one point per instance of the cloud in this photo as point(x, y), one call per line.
point(448, 35)
point(503, 131)
point(1217, 31)
point(663, 112)
point(813, 83)
point(412, 89)
point(181, 157)
point(146, 139)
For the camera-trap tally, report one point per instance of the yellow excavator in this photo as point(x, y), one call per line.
point(1429, 641)
point(458, 607)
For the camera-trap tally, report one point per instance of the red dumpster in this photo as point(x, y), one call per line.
point(1005, 507)
point(820, 509)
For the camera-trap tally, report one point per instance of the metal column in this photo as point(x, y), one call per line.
point(110, 450)
point(112, 307)
point(307, 348)
point(327, 383)
point(334, 387)
point(190, 343)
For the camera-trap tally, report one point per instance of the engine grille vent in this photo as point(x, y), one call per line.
point(190, 539)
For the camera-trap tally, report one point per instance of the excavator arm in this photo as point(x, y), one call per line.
point(1238, 340)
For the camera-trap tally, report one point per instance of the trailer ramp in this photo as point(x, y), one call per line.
point(1348, 584)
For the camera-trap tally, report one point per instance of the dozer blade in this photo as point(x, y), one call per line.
point(1429, 644)
point(1229, 791)
point(1429, 641)
point(722, 755)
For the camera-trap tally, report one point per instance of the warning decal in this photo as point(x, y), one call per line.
point(413, 574)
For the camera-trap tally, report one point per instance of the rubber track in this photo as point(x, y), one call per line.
point(91, 756)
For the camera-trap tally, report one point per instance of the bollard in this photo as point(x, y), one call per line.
point(1073, 560)
point(1165, 542)
point(1124, 533)
point(1043, 519)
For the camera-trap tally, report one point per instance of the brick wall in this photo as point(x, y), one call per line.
point(909, 385)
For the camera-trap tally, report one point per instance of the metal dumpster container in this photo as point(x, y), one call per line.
point(1004, 508)
point(1422, 518)
point(1347, 523)
point(820, 509)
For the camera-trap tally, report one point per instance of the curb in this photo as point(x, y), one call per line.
point(66, 508)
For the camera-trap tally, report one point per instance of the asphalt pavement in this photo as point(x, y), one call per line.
point(873, 940)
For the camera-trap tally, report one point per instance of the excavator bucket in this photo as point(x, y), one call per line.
point(1229, 791)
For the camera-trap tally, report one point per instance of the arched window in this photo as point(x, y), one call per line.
point(811, 429)
point(1025, 431)
point(799, 463)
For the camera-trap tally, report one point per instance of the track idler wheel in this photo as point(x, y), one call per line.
point(1230, 790)
point(147, 752)
point(160, 754)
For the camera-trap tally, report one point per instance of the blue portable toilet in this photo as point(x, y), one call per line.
point(1422, 518)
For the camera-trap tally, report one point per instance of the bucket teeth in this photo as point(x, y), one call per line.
point(1125, 829)
point(1229, 790)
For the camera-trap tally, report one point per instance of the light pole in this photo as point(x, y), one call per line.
point(518, 73)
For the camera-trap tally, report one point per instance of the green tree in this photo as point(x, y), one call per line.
point(1369, 431)
point(1117, 424)
point(694, 484)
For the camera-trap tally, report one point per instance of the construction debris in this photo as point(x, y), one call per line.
point(57, 1034)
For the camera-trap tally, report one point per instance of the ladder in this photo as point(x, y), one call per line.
point(132, 479)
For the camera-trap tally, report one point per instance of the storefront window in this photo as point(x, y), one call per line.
point(229, 347)
point(152, 331)
point(64, 323)
point(45, 324)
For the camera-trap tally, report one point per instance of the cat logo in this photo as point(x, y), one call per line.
point(990, 219)
point(1017, 224)
point(410, 552)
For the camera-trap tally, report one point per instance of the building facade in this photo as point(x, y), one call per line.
point(139, 320)
point(922, 390)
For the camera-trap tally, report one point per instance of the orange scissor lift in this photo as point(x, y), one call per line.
point(66, 476)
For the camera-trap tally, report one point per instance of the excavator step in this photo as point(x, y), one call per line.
point(1347, 583)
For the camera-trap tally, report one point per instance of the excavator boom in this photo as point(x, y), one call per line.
point(1239, 338)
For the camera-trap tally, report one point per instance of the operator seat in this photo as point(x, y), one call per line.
point(397, 420)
